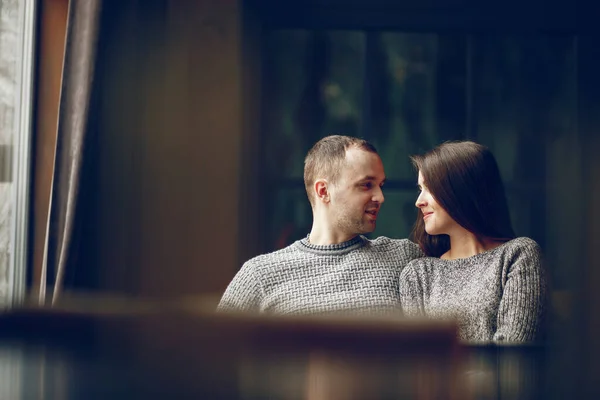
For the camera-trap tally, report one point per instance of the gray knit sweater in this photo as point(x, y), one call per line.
point(497, 295)
point(359, 275)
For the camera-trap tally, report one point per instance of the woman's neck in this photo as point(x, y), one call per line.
point(464, 244)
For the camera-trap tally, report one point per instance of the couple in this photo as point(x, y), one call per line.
point(466, 264)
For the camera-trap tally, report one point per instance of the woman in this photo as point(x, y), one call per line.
point(475, 270)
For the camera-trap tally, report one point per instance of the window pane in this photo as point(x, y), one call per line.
point(524, 94)
point(16, 63)
point(416, 86)
point(516, 94)
point(397, 215)
point(524, 108)
point(314, 88)
point(289, 218)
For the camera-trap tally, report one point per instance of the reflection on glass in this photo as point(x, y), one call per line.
point(402, 85)
point(290, 218)
point(397, 215)
point(314, 88)
point(524, 109)
point(522, 211)
point(408, 92)
point(524, 89)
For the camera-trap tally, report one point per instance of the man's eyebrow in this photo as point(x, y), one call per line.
point(371, 178)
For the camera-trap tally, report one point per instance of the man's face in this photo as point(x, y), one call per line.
point(356, 197)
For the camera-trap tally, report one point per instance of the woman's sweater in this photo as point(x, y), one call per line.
point(498, 295)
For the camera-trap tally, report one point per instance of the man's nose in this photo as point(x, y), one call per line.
point(379, 197)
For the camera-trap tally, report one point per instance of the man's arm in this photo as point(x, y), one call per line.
point(244, 293)
point(413, 250)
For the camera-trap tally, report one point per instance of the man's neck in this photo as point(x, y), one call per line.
point(324, 237)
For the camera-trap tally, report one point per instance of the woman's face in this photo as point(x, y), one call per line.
point(437, 220)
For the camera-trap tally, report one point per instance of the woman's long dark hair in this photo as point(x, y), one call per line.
point(464, 179)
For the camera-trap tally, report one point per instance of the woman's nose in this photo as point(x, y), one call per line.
point(420, 201)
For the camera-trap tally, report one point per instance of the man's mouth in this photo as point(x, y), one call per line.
point(373, 213)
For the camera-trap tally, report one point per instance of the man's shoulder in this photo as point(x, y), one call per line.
point(404, 250)
point(276, 257)
point(395, 244)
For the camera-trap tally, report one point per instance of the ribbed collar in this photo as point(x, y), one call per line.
point(331, 249)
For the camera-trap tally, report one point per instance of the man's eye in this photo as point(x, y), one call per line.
point(368, 185)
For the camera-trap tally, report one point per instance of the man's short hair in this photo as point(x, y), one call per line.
point(326, 158)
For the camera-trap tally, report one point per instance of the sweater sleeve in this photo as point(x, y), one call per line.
point(411, 292)
point(413, 251)
point(244, 293)
point(523, 297)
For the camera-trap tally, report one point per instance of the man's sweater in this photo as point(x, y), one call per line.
point(497, 295)
point(359, 275)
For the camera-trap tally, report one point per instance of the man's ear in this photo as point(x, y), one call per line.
point(322, 190)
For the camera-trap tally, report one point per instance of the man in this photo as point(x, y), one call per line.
point(335, 268)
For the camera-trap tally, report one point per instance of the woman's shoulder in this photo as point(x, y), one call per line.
point(423, 264)
point(523, 244)
point(523, 251)
point(523, 241)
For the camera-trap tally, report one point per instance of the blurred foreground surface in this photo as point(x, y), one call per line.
point(125, 350)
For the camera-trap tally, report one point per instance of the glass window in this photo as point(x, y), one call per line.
point(313, 85)
point(16, 61)
point(408, 92)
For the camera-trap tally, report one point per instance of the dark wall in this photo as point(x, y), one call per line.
point(170, 143)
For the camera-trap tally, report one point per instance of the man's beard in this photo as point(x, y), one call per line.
point(355, 225)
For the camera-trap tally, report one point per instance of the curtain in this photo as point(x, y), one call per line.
point(72, 131)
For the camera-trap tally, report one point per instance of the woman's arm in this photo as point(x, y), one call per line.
point(411, 292)
point(523, 297)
